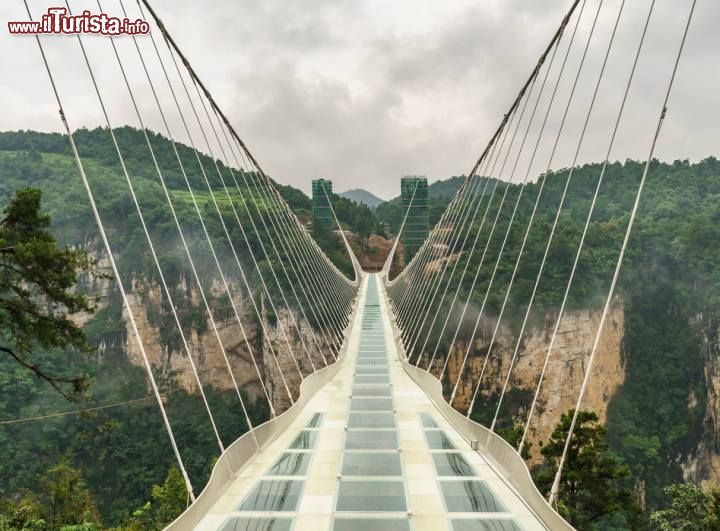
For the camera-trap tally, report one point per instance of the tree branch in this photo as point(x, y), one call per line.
point(54, 381)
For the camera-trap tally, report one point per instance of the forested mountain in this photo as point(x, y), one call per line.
point(657, 385)
point(658, 404)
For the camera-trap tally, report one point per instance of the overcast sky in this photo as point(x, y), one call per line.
point(365, 91)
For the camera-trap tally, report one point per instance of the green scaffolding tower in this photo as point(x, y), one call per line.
point(417, 225)
point(321, 192)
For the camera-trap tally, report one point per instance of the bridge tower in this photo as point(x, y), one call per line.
point(414, 196)
point(321, 192)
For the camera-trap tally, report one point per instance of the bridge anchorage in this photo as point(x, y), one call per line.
point(359, 393)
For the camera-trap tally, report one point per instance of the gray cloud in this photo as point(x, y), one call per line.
point(363, 92)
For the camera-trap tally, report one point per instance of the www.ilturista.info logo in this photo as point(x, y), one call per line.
point(57, 21)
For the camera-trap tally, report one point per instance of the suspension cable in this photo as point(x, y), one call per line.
point(442, 247)
point(585, 229)
point(535, 206)
point(556, 483)
point(308, 285)
point(520, 193)
point(556, 219)
point(252, 222)
point(541, 61)
point(536, 107)
point(479, 232)
point(433, 248)
point(202, 222)
point(476, 211)
point(455, 246)
point(141, 217)
point(113, 265)
point(183, 240)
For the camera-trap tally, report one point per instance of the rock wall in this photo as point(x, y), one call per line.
point(253, 352)
point(173, 366)
point(564, 374)
point(702, 466)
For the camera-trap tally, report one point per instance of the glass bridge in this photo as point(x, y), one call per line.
point(369, 452)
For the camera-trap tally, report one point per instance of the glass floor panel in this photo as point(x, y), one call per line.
point(371, 404)
point(372, 391)
point(365, 496)
point(371, 524)
point(437, 440)
point(304, 441)
point(371, 440)
point(371, 420)
point(372, 379)
point(428, 421)
point(480, 524)
point(241, 523)
point(273, 495)
point(314, 422)
point(361, 369)
point(371, 464)
point(291, 464)
point(469, 496)
point(452, 464)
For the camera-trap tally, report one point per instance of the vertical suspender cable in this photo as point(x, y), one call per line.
point(186, 248)
point(455, 246)
point(252, 222)
point(479, 232)
point(220, 216)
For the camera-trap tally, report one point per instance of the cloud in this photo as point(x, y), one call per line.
point(363, 92)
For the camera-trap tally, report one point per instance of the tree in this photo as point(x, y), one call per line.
point(25, 514)
point(69, 502)
point(691, 509)
point(37, 281)
point(591, 488)
point(168, 501)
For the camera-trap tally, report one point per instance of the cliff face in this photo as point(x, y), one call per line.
point(272, 348)
point(564, 374)
point(702, 465)
point(276, 347)
point(174, 366)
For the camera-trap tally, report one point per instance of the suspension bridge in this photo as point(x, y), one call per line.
point(370, 381)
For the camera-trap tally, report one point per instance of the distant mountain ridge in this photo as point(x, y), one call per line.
point(362, 196)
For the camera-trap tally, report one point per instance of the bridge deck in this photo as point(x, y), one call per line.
point(369, 452)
